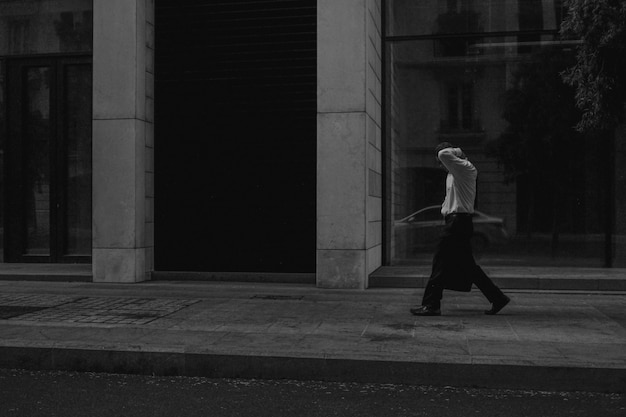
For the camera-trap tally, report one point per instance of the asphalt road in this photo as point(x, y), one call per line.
point(68, 394)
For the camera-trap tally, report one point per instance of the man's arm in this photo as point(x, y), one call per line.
point(454, 160)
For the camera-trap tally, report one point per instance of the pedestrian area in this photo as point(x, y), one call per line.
point(552, 340)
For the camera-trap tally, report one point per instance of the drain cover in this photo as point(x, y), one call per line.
point(278, 297)
point(7, 312)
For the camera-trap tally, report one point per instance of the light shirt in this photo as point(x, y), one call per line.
point(460, 183)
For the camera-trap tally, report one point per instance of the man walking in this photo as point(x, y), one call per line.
point(454, 266)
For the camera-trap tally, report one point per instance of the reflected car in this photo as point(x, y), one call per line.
point(423, 229)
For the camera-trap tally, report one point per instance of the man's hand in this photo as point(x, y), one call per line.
point(458, 152)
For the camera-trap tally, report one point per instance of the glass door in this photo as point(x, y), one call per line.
point(48, 161)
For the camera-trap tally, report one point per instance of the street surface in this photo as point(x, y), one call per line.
point(68, 394)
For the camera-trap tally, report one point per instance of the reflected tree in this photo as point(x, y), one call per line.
point(599, 72)
point(540, 146)
point(599, 76)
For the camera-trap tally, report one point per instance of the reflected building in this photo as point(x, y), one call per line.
point(454, 72)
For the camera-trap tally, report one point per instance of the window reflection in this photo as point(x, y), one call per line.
point(487, 79)
point(45, 26)
point(428, 17)
point(78, 160)
point(3, 128)
point(48, 142)
point(37, 164)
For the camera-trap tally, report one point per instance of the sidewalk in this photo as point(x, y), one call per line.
point(543, 340)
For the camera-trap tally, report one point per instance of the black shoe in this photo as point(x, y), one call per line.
point(496, 307)
point(425, 311)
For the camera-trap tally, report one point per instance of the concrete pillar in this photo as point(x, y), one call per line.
point(349, 171)
point(123, 111)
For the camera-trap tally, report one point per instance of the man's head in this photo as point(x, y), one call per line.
point(443, 145)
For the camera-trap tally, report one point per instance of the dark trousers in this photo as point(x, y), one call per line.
point(454, 266)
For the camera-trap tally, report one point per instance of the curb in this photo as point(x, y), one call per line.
point(503, 376)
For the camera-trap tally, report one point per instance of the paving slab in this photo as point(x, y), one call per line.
point(542, 340)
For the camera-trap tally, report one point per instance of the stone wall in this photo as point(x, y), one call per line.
point(373, 110)
point(123, 114)
point(349, 161)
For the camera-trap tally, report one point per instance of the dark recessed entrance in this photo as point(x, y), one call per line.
point(235, 133)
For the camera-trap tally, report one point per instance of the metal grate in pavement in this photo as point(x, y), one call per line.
point(35, 300)
point(7, 312)
point(278, 297)
point(106, 310)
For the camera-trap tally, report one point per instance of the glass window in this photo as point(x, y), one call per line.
point(485, 76)
point(444, 17)
point(77, 157)
point(30, 27)
point(45, 128)
point(37, 138)
point(3, 130)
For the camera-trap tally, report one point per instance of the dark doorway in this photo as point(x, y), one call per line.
point(48, 161)
point(235, 136)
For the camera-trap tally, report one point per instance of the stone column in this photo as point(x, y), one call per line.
point(123, 113)
point(349, 180)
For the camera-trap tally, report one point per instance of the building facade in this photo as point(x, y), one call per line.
point(291, 138)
